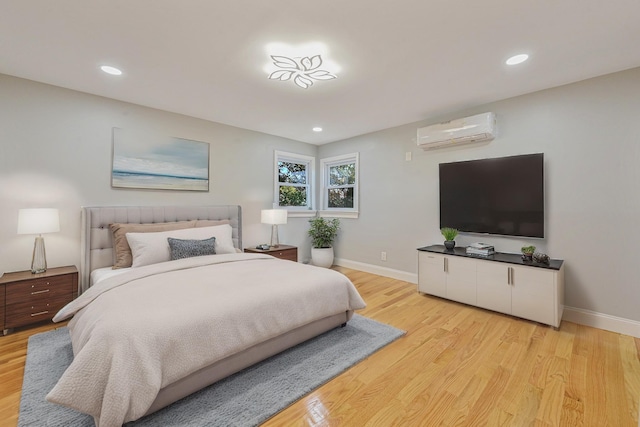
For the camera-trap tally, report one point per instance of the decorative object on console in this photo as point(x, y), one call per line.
point(274, 217)
point(449, 236)
point(38, 221)
point(481, 249)
point(541, 258)
point(323, 232)
point(527, 252)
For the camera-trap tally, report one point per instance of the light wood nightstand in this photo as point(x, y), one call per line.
point(31, 298)
point(281, 251)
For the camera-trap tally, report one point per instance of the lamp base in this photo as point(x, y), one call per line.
point(274, 236)
point(39, 258)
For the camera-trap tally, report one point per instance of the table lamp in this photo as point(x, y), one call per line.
point(274, 217)
point(38, 221)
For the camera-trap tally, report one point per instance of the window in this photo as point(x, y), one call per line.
point(294, 177)
point(340, 186)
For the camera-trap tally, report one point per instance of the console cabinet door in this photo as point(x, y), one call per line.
point(494, 288)
point(431, 274)
point(461, 279)
point(534, 295)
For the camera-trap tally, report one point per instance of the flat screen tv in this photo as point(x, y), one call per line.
point(503, 196)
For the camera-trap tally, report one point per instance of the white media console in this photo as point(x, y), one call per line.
point(501, 282)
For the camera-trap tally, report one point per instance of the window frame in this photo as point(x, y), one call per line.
point(310, 162)
point(325, 165)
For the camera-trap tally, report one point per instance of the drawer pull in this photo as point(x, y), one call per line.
point(39, 292)
point(39, 313)
point(33, 286)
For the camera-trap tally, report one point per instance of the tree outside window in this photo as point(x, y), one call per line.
point(294, 177)
point(342, 180)
point(340, 183)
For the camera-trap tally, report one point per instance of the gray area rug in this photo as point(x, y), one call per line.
point(245, 399)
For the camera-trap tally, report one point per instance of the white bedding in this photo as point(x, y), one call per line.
point(139, 331)
point(104, 273)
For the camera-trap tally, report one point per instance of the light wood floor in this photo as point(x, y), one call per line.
point(456, 366)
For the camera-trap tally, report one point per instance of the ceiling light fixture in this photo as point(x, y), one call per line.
point(302, 70)
point(317, 129)
point(111, 70)
point(517, 59)
point(303, 64)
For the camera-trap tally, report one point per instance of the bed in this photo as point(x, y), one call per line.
point(146, 336)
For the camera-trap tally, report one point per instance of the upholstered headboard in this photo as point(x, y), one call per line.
point(97, 242)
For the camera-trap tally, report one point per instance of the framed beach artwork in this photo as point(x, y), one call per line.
point(148, 161)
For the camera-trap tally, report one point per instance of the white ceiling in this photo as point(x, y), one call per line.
point(401, 61)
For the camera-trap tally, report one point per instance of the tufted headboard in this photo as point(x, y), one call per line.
point(97, 242)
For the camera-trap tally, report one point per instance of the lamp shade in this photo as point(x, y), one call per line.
point(38, 221)
point(273, 216)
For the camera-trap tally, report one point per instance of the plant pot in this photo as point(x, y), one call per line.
point(322, 257)
point(449, 244)
point(527, 257)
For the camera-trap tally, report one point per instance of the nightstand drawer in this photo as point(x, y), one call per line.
point(288, 254)
point(37, 289)
point(25, 313)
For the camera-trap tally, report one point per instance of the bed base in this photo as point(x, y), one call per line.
point(237, 362)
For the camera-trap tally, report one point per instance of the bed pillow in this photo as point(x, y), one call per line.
point(152, 248)
point(180, 248)
point(123, 257)
point(211, 222)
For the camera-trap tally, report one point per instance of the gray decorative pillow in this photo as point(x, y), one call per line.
point(181, 248)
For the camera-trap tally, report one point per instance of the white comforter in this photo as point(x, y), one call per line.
point(137, 332)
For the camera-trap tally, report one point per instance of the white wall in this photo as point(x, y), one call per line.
point(589, 134)
point(55, 151)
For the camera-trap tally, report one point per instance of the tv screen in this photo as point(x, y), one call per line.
point(502, 196)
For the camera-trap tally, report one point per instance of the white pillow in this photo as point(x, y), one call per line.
point(152, 248)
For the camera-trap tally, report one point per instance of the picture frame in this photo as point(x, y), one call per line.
point(155, 162)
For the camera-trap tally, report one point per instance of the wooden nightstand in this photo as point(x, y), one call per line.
point(31, 298)
point(282, 251)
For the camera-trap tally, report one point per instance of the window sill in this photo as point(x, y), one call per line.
point(339, 214)
point(301, 214)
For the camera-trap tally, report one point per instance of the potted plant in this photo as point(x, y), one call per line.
point(527, 252)
point(449, 236)
point(323, 232)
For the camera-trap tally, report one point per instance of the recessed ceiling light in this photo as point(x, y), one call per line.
point(517, 59)
point(317, 129)
point(111, 70)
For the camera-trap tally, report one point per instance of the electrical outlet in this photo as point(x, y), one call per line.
point(407, 156)
point(383, 256)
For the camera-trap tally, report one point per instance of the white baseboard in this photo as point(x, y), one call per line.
point(376, 269)
point(602, 321)
point(571, 314)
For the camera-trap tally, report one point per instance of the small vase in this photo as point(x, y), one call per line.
point(449, 244)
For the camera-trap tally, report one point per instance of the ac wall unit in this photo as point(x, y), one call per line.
point(480, 127)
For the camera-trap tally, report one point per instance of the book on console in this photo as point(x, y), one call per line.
point(484, 252)
point(481, 246)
